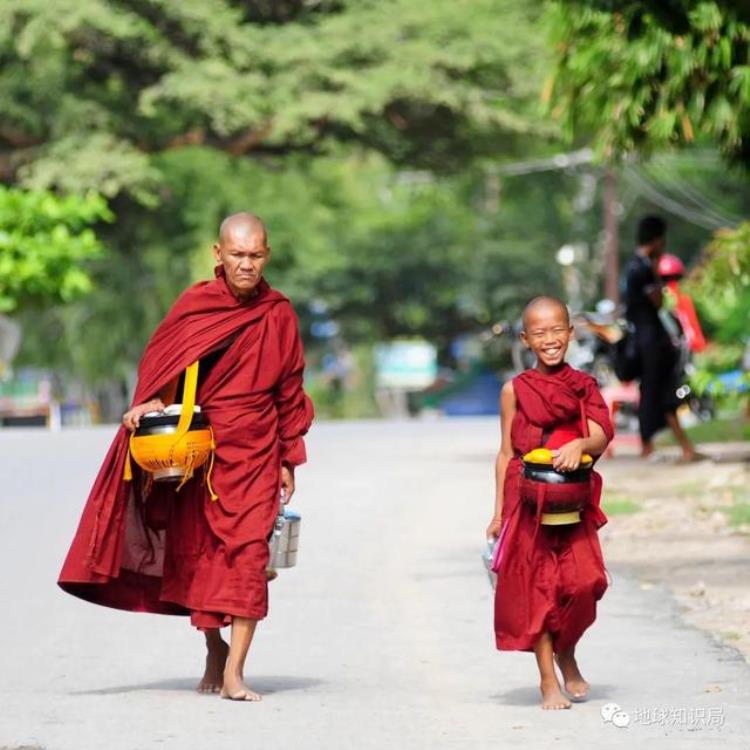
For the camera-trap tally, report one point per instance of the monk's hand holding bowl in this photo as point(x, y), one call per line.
point(568, 457)
point(131, 419)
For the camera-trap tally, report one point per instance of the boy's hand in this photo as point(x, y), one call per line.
point(568, 457)
point(493, 530)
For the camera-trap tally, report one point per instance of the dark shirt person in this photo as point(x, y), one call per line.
point(658, 356)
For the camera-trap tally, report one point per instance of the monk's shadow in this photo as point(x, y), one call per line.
point(265, 685)
point(529, 696)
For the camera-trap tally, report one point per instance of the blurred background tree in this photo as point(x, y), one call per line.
point(46, 244)
point(641, 76)
point(721, 284)
point(359, 131)
point(645, 78)
point(91, 88)
point(402, 152)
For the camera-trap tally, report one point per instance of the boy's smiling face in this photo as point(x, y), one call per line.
point(547, 331)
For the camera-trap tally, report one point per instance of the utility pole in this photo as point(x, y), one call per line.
point(611, 236)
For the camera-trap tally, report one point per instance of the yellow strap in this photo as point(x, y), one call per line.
point(186, 415)
point(127, 473)
point(188, 475)
point(188, 401)
point(211, 492)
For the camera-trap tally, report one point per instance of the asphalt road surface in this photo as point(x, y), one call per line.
point(381, 637)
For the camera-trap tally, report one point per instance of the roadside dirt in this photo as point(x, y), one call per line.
point(686, 526)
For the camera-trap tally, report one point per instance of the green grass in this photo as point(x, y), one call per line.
point(731, 635)
point(690, 489)
point(725, 430)
point(616, 504)
point(739, 514)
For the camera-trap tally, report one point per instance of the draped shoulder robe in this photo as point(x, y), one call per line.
point(550, 577)
point(180, 552)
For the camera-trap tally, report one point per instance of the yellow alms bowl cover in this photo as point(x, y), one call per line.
point(155, 452)
point(544, 456)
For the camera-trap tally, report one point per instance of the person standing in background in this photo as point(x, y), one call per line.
point(658, 355)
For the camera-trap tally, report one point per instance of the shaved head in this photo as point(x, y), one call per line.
point(547, 331)
point(243, 252)
point(543, 304)
point(241, 226)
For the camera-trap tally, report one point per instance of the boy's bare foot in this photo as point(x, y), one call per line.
point(235, 689)
point(216, 658)
point(552, 697)
point(575, 685)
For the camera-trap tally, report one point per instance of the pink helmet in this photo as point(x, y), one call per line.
point(671, 267)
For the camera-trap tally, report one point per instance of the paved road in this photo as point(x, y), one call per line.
point(380, 638)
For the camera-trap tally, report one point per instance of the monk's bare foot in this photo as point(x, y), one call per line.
point(575, 686)
point(552, 697)
point(216, 658)
point(235, 689)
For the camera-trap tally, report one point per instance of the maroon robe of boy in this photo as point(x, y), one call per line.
point(550, 577)
point(181, 552)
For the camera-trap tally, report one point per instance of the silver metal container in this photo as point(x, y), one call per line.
point(488, 552)
point(284, 541)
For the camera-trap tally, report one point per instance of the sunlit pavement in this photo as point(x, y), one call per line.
point(380, 638)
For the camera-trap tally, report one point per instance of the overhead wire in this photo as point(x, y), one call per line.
point(547, 164)
point(704, 213)
point(691, 215)
point(682, 186)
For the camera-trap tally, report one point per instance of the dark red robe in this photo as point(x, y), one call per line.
point(180, 552)
point(550, 577)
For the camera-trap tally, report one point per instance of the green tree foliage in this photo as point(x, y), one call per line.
point(641, 76)
point(722, 283)
point(45, 242)
point(721, 286)
point(672, 14)
point(91, 88)
point(358, 129)
point(390, 252)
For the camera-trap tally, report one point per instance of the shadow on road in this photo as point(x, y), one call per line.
point(529, 696)
point(264, 685)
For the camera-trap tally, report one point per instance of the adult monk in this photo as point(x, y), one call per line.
point(549, 578)
point(153, 549)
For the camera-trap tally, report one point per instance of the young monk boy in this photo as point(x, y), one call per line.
point(549, 577)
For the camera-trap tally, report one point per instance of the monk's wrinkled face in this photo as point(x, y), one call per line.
point(547, 332)
point(243, 253)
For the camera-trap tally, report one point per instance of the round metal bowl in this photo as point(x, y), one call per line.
point(166, 458)
point(548, 475)
point(166, 423)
